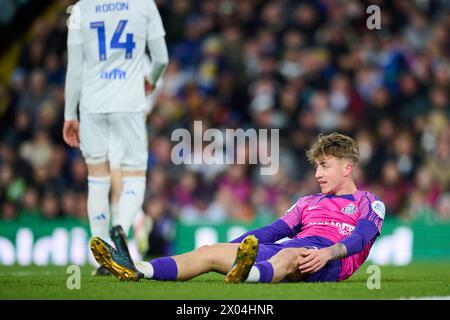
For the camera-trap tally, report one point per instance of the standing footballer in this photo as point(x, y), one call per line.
point(106, 51)
point(330, 233)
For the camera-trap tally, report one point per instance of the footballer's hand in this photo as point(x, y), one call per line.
point(148, 87)
point(71, 133)
point(314, 260)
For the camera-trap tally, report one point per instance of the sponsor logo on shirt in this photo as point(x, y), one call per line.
point(115, 74)
point(313, 207)
point(349, 209)
point(343, 228)
point(379, 208)
point(290, 209)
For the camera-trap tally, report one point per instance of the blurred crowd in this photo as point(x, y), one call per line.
point(303, 67)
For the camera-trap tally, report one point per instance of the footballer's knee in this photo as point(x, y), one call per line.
point(290, 258)
point(283, 259)
point(133, 173)
point(206, 253)
point(134, 170)
point(211, 254)
point(204, 250)
point(287, 254)
point(100, 169)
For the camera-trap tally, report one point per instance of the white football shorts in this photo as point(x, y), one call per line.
point(120, 138)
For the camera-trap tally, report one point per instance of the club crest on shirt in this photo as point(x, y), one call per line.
point(349, 209)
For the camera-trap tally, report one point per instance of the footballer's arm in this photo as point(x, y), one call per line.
point(337, 251)
point(270, 233)
point(287, 226)
point(365, 231)
point(72, 94)
point(159, 57)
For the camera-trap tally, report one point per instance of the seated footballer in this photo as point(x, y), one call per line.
point(330, 234)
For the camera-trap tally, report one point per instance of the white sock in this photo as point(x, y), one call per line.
point(253, 275)
point(114, 213)
point(138, 221)
point(98, 206)
point(145, 268)
point(139, 218)
point(131, 200)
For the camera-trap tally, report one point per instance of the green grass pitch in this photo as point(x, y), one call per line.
point(416, 280)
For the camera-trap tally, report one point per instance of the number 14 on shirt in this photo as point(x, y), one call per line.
point(128, 45)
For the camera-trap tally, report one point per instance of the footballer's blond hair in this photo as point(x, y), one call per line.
point(334, 144)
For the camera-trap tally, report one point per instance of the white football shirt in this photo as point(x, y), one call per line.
point(113, 36)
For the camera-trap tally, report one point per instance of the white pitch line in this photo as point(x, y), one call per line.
point(427, 298)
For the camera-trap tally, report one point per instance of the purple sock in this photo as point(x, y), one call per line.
point(265, 271)
point(164, 269)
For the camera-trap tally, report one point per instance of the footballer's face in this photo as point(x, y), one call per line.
point(332, 174)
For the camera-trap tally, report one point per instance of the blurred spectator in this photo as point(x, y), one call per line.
point(30, 202)
point(185, 191)
point(50, 206)
point(403, 155)
point(38, 151)
point(234, 190)
point(79, 175)
point(392, 189)
point(424, 195)
point(443, 207)
point(8, 211)
point(36, 94)
point(69, 204)
point(439, 161)
point(162, 231)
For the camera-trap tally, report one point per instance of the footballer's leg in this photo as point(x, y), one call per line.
point(93, 144)
point(115, 262)
point(271, 264)
point(98, 205)
point(245, 258)
point(142, 224)
point(117, 234)
point(286, 265)
point(130, 203)
point(99, 184)
point(98, 192)
point(115, 155)
point(130, 138)
point(116, 190)
point(218, 257)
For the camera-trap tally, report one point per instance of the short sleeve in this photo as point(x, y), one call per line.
point(74, 25)
point(155, 26)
